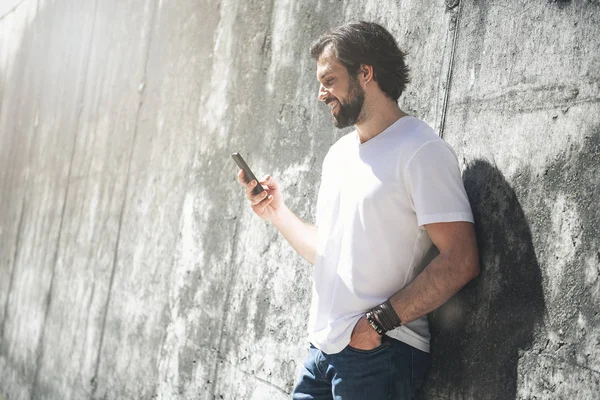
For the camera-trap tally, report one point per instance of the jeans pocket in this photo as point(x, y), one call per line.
point(384, 345)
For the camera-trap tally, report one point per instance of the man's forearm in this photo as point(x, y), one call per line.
point(300, 235)
point(436, 284)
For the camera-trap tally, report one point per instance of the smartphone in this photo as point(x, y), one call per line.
point(237, 157)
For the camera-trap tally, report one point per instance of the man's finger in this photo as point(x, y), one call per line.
point(256, 199)
point(268, 183)
point(249, 188)
point(261, 207)
point(242, 177)
point(268, 180)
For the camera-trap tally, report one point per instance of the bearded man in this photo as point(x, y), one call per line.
point(394, 236)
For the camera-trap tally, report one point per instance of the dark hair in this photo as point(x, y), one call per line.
point(371, 44)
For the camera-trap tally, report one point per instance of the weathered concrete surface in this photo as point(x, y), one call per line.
point(131, 267)
point(524, 113)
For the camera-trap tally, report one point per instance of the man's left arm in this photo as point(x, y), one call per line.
point(455, 265)
point(446, 274)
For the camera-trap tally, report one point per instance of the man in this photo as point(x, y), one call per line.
point(389, 191)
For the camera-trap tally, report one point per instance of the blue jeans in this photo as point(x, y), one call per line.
point(391, 371)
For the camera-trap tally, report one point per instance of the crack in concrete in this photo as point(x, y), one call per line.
point(262, 380)
point(12, 10)
point(526, 100)
point(14, 266)
point(450, 69)
point(271, 241)
point(574, 364)
point(41, 347)
point(20, 225)
point(94, 380)
point(215, 375)
point(218, 358)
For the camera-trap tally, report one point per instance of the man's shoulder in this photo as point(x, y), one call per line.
point(408, 138)
point(416, 133)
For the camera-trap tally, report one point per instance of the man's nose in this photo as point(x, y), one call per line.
point(323, 94)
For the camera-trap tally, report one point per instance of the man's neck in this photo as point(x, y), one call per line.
point(377, 119)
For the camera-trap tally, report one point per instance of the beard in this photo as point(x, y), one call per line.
point(349, 111)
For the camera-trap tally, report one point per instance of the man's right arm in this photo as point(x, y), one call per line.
point(269, 206)
point(299, 234)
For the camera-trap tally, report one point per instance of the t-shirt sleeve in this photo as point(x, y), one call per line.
point(435, 186)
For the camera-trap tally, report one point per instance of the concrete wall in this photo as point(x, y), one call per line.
point(131, 266)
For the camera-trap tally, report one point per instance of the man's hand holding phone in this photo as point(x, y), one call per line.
point(267, 203)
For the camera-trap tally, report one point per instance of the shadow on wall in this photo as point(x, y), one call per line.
point(477, 335)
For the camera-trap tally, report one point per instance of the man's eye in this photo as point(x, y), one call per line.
point(329, 82)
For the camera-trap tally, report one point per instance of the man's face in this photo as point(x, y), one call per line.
point(339, 90)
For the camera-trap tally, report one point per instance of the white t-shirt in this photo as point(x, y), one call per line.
point(373, 201)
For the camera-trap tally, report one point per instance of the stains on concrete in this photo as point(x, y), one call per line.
point(569, 244)
point(550, 377)
point(450, 4)
point(527, 99)
point(560, 3)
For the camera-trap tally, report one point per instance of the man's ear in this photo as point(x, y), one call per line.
point(366, 73)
